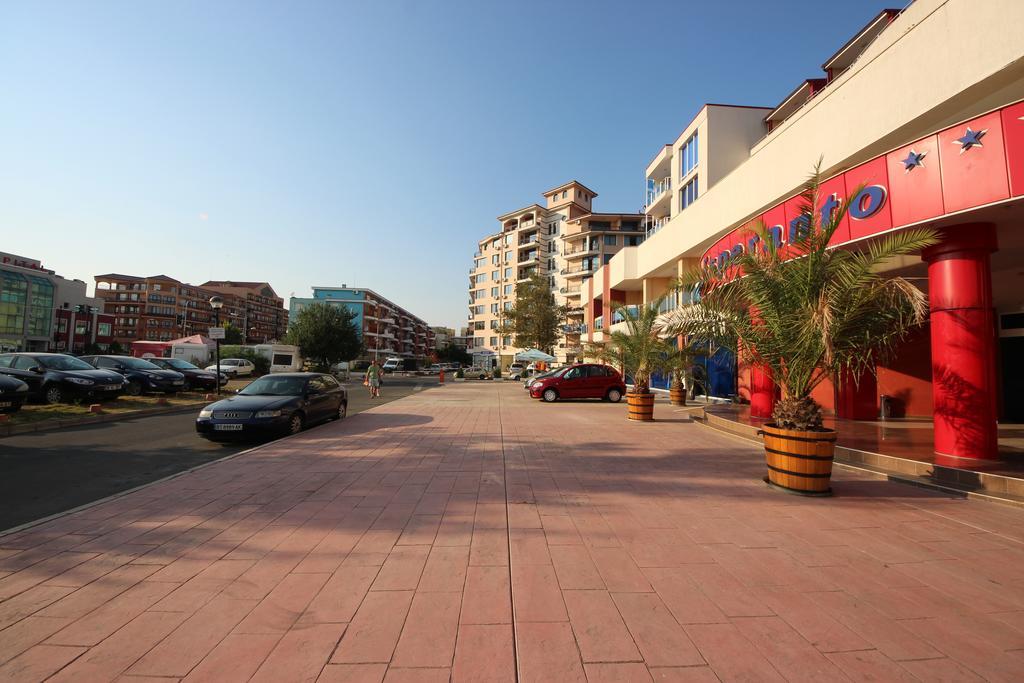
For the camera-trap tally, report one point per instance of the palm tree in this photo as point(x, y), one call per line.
point(642, 349)
point(806, 311)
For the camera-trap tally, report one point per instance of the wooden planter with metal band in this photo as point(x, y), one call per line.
point(677, 395)
point(799, 461)
point(641, 406)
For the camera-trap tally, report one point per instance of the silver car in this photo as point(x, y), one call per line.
point(476, 373)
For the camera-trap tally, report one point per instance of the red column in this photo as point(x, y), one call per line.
point(857, 400)
point(963, 344)
point(763, 391)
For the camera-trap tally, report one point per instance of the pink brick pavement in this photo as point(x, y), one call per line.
point(468, 533)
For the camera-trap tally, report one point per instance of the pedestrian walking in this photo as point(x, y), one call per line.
point(373, 375)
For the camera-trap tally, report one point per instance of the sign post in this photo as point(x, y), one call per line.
point(217, 334)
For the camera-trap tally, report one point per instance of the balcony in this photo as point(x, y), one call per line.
point(580, 271)
point(581, 251)
point(658, 192)
point(656, 224)
point(532, 239)
point(574, 310)
point(570, 290)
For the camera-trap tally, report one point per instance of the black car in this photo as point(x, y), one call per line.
point(141, 375)
point(274, 405)
point(195, 377)
point(57, 377)
point(13, 393)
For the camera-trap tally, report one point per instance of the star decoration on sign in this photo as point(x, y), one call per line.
point(913, 160)
point(972, 138)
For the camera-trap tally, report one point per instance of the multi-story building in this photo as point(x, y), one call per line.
point(443, 337)
point(386, 328)
point(42, 311)
point(563, 241)
point(921, 115)
point(161, 308)
point(264, 318)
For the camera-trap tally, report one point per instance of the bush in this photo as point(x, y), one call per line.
point(496, 374)
point(459, 374)
point(261, 362)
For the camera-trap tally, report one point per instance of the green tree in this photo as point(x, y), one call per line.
point(535, 318)
point(453, 354)
point(807, 311)
point(325, 335)
point(232, 334)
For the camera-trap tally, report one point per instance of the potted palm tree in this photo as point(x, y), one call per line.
point(807, 313)
point(680, 364)
point(643, 352)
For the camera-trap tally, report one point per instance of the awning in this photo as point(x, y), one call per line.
point(534, 354)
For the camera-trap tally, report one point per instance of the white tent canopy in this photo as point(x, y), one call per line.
point(534, 355)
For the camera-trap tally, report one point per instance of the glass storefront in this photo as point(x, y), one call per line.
point(40, 310)
point(13, 297)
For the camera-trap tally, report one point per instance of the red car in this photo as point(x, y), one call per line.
point(585, 380)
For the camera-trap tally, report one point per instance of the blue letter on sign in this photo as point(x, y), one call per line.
point(867, 202)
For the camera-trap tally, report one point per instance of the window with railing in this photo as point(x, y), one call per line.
point(688, 155)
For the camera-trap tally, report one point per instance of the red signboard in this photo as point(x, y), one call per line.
point(968, 165)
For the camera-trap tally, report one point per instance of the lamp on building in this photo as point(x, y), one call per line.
point(216, 303)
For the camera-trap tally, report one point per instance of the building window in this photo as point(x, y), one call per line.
point(507, 341)
point(688, 194)
point(495, 274)
point(564, 194)
point(494, 259)
point(633, 240)
point(688, 156)
point(494, 292)
point(494, 341)
point(40, 311)
point(508, 305)
point(508, 273)
point(508, 257)
point(509, 289)
point(606, 258)
point(494, 309)
point(610, 240)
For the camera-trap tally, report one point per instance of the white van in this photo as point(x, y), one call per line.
point(282, 357)
point(392, 364)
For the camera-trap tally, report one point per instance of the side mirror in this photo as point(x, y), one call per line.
point(38, 369)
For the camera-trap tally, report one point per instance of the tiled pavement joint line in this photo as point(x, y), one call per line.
point(508, 543)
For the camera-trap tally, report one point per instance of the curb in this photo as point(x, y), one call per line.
point(52, 425)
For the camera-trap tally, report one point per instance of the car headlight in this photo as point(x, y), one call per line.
point(536, 385)
point(81, 381)
point(206, 412)
point(268, 413)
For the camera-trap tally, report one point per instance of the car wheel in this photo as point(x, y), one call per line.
point(133, 389)
point(53, 394)
point(343, 410)
point(614, 395)
point(550, 395)
point(295, 423)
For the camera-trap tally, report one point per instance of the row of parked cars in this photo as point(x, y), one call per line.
point(60, 378)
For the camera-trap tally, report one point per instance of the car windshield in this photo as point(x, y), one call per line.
point(179, 364)
point(275, 386)
point(63, 363)
point(137, 363)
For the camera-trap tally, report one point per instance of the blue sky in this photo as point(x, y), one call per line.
point(369, 143)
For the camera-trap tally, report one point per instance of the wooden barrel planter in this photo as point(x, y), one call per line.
point(641, 406)
point(799, 461)
point(677, 395)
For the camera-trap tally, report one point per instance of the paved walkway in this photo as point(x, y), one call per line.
point(468, 533)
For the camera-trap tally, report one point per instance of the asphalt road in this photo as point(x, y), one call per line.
point(49, 472)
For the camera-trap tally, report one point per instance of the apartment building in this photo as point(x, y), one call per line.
point(921, 114)
point(563, 241)
point(386, 328)
point(265, 316)
point(162, 308)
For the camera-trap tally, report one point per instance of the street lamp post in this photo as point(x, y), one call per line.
point(216, 303)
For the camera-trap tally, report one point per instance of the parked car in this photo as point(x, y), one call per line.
point(476, 373)
point(435, 369)
point(13, 394)
point(586, 380)
point(274, 405)
point(530, 380)
point(195, 377)
point(57, 377)
point(141, 376)
point(233, 367)
point(516, 370)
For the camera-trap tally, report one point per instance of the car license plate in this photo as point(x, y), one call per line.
point(178, 381)
point(111, 387)
point(6, 404)
point(227, 428)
